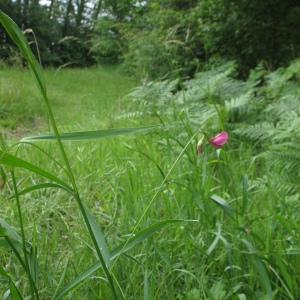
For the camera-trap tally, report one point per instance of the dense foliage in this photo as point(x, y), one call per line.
point(157, 38)
point(263, 111)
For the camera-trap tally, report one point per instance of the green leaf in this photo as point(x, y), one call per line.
point(139, 237)
point(245, 194)
point(86, 135)
point(61, 280)
point(10, 230)
point(261, 269)
point(16, 243)
point(13, 289)
point(15, 237)
point(44, 186)
point(3, 232)
point(223, 204)
point(99, 238)
point(15, 292)
point(3, 273)
point(15, 162)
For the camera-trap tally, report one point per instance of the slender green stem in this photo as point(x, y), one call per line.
point(33, 289)
point(77, 198)
point(155, 195)
point(19, 39)
point(22, 262)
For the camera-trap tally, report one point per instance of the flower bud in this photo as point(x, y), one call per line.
point(199, 146)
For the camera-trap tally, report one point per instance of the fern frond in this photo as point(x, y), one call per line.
point(259, 132)
point(279, 183)
point(288, 161)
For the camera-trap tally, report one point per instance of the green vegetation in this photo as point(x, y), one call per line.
point(144, 216)
point(87, 95)
point(156, 38)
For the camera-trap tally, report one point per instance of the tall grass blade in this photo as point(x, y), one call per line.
point(3, 232)
point(61, 280)
point(245, 193)
point(99, 238)
point(261, 269)
point(223, 204)
point(86, 135)
point(10, 230)
point(16, 295)
point(4, 273)
point(215, 241)
point(18, 38)
point(44, 186)
point(139, 237)
point(15, 162)
point(34, 264)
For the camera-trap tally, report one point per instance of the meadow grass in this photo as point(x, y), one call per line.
point(91, 98)
point(236, 241)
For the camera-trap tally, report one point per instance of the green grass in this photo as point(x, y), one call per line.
point(90, 97)
point(248, 250)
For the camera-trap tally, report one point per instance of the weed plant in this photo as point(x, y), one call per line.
point(154, 219)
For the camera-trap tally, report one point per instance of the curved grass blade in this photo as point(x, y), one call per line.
point(151, 159)
point(15, 162)
point(44, 186)
point(99, 238)
point(15, 292)
point(223, 204)
point(3, 232)
point(261, 269)
point(61, 280)
point(16, 243)
point(13, 289)
point(86, 135)
point(139, 237)
point(10, 231)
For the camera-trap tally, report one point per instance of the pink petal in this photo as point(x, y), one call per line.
point(219, 140)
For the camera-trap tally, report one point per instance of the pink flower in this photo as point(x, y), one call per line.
point(219, 140)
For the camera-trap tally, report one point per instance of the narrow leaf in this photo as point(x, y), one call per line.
point(223, 204)
point(245, 194)
point(15, 162)
point(215, 241)
point(86, 135)
point(13, 289)
point(61, 280)
point(4, 273)
point(10, 230)
point(261, 269)
point(44, 186)
point(15, 292)
point(139, 237)
point(99, 238)
point(3, 232)
point(16, 244)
